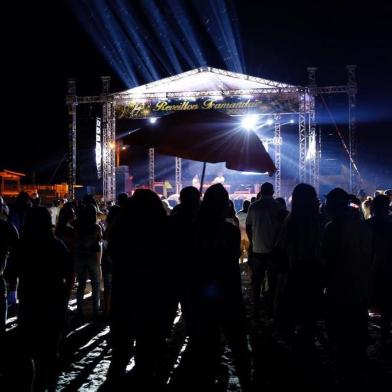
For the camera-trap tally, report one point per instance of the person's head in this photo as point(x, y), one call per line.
point(253, 199)
point(245, 205)
point(215, 203)
point(66, 215)
point(38, 223)
point(147, 205)
point(337, 202)
point(304, 201)
point(380, 206)
point(266, 189)
point(89, 200)
point(88, 216)
point(190, 198)
point(23, 199)
point(122, 199)
point(231, 210)
point(282, 202)
point(354, 200)
point(113, 213)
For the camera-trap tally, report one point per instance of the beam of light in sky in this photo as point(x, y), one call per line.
point(236, 32)
point(89, 19)
point(127, 52)
point(188, 31)
point(218, 24)
point(139, 52)
point(162, 29)
point(140, 39)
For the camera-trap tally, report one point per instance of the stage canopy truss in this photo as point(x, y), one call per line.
point(211, 88)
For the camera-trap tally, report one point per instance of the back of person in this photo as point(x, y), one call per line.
point(42, 268)
point(347, 244)
point(263, 217)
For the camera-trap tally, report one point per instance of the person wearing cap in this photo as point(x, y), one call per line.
point(346, 248)
point(262, 224)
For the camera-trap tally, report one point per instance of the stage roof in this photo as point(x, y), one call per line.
point(205, 79)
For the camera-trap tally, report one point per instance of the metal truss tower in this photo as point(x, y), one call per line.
point(302, 138)
point(313, 152)
point(178, 175)
point(71, 159)
point(151, 168)
point(109, 143)
point(352, 103)
point(278, 145)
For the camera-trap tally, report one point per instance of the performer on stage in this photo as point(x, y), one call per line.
point(196, 181)
point(219, 179)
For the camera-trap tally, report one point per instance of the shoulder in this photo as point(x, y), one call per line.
point(231, 229)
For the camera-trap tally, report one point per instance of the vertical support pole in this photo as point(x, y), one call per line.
point(318, 160)
point(313, 156)
point(302, 138)
point(278, 145)
point(109, 143)
point(71, 104)
point(112, 155)
point(352, 89)
point(151, 168)
point(178, 175)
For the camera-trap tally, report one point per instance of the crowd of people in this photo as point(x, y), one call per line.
point(328, 262)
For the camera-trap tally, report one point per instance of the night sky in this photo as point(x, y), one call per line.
point(44, 44)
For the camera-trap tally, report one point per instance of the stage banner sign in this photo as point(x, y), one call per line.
point(261, 104)
point(98, 147)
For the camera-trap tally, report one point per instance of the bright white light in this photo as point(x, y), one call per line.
point(270, 121)
point(217, 97)
point(291, 121)
point(312, 148)
point(249, 122)
point(152, 120)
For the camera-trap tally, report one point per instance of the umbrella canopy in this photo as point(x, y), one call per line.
point(206, 136)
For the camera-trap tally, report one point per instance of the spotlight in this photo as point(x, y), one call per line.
point(152, 120)
point(270, 121)
point(249, 122)
point(291, 121)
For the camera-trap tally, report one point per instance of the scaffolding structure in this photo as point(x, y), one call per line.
point(302, 97)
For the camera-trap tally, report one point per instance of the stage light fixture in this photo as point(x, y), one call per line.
point(249, 122)
point(152, 120)
point(291, 121)
point(270, 121)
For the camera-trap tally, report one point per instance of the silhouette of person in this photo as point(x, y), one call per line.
point(381, 226)
point(142, 303)
point(346, 248)
point(300, 238)
point(42, 265)
point(8, 238)
point(262, 225)
point(88, 254)
point(217, 296)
